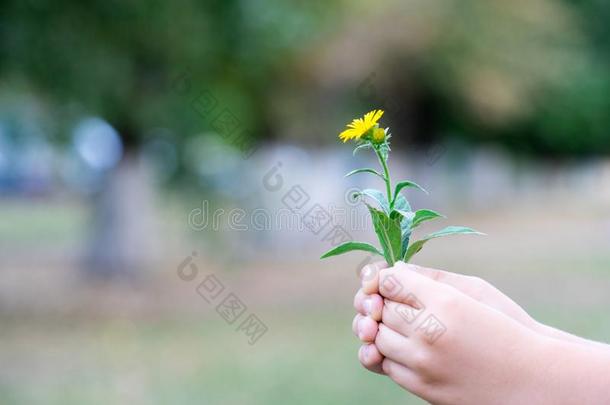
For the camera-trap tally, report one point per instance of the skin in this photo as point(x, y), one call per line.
point(479, 347)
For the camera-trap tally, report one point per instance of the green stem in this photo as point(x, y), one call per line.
point(386, 175)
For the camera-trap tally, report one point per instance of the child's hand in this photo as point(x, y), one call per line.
point(369, 303)
point(449, 348)
point(442, 345)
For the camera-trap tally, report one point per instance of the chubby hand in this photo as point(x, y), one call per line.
point(422, 330)
point(368, 304)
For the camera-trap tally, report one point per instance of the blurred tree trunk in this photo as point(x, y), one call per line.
point(123, 239)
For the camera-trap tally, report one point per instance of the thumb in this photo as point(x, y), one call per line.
point(463, 283)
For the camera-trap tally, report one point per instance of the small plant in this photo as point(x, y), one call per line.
point(393, 219)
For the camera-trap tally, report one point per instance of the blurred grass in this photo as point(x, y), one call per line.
point(305, 358)
point(43, 222)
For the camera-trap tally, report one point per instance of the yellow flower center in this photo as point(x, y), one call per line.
point(378, 135)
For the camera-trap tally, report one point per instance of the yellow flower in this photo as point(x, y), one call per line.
point(360, 126)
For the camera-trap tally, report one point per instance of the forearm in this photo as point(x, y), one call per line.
point(568, 337)
point(572, 373)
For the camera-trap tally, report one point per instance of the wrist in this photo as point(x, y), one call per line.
point(551, 332)
point(537, 358)
point(543, 329)
point(558, 334)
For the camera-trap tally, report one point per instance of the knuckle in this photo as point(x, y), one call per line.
point(375, 307)
point(377, 300)
point(436, 275)
point(420, 386)
point(420, 361)
point(389, 284)
point(448, 300)
point(387, 367)
point(478, 286)
point(381, 340)
point(388, 313)
point(383, 274)
point(385, 313)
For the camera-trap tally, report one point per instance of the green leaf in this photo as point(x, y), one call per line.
point(401, 203)
point(406, 236)
point(405, 228)
point(408, 215)
point(453, 230)
point(378, 196)
point(423, 216)
point(450, 230)
point(384, 150)
point(350, 246)
point(413, 249)
point(389, 233)
point(366, 145)
point(405, 184)
point(365, 171)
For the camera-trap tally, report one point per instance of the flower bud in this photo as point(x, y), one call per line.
point(379, 135)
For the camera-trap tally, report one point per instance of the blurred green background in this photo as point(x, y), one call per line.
point(142, 143)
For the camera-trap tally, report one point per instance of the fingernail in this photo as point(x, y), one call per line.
point(368, 272)
point(365, 352)
point(365, 273)
point(360, 328)
point(368, 306)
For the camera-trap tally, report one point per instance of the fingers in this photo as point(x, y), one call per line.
point(397, 347)
point(370, 358)
point(403, 376)
point(369, 305)
point(400, 317)
point(365, 328)
point(435, 274)
point(369, 276)
point(468, 285)
point(401, 284)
